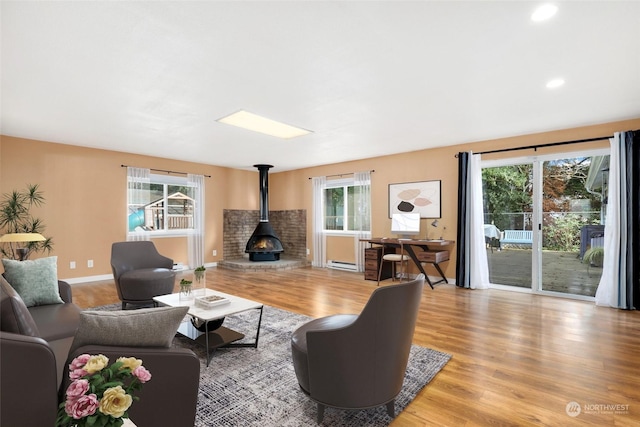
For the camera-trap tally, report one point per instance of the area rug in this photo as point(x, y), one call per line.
point(258, 387)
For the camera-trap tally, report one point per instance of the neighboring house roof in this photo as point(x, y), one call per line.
point(597, 171)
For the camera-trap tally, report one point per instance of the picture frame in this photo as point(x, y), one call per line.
point(424, 197)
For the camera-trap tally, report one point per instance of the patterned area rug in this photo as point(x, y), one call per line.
point(258, 387)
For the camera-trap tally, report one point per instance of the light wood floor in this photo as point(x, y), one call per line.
point(518, 359)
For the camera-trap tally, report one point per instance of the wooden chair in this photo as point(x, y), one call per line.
point(394, 259)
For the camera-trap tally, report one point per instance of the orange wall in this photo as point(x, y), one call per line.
point(86, 197)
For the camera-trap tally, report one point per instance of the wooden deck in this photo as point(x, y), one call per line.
point(561, 271)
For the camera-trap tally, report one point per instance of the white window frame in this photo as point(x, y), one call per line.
point(164, 180)
point(340, 183)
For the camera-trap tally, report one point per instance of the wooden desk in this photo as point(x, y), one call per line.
point(429, 254)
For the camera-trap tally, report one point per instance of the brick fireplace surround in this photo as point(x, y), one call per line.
point(291, 227)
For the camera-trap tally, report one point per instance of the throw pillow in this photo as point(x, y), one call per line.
point(35, 281)
point(146, 327)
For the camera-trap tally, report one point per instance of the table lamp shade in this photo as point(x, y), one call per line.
point(22, 237)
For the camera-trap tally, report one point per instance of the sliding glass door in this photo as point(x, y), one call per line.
point(544, 221)
point(572, 223)
point(508, 210)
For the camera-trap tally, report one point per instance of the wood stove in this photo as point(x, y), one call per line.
point(264, 244)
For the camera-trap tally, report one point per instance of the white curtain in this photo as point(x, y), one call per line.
point(479, 263)
point(195, 239)
point(362, 216)
point(319, 238)
point(609, 289)
point(138, 180)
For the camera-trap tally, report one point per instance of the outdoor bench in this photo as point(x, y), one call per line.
point(517, 237)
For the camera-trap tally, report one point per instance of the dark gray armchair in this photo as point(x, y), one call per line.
point(359, 361)
point(140, 272)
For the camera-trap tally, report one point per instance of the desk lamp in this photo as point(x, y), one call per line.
point(435, 224)
point(22, 252)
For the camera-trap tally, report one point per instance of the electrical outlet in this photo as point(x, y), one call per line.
point(215, 252)
point(308, 251)
point(72, 265)
point(90, 263)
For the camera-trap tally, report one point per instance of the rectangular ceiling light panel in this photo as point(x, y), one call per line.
point(256, 123)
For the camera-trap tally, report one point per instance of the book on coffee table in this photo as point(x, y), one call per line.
point(210, 301)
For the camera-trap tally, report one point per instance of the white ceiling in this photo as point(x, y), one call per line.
point(368, 78)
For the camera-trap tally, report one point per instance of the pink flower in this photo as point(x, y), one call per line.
point(82, 407)
point(77, 373)
point(91, 373)
point(77, 389)
point(79, 362)
point(142, 374)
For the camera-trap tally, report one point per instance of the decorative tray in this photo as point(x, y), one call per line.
point(210, 301)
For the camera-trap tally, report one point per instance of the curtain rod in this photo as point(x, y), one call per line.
point(166, 171)
point(551, 144)
point(342, 174)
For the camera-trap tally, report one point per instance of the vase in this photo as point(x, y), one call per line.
point(199, 283)
point(186, 293)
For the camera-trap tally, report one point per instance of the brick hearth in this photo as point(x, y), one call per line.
point(290, 225)
point(246, 265)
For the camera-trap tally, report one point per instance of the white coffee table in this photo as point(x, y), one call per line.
point(221, 337)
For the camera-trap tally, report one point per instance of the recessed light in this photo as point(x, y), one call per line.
point(555, 83)
point(256, 123)
point(544, 12)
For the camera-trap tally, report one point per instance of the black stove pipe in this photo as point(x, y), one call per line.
point(264, 191)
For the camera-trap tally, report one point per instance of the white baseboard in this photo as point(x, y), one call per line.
point(87, 279)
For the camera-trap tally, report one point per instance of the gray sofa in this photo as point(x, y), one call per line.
point(34, 349)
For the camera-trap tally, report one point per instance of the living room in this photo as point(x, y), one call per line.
point(500, 341)
point(85, 192)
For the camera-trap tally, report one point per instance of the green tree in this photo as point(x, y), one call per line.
point(506, 189)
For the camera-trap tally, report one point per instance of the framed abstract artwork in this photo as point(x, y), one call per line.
point(423, 197)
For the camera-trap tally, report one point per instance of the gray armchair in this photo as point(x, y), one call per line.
point(359, 361)
point(140, 272)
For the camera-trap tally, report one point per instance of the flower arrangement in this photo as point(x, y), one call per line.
point(100, 395)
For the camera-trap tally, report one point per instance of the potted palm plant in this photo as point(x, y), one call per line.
point(16, 218)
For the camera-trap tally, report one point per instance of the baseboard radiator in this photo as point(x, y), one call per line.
point(342, 265)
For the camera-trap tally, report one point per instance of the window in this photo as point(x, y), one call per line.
point(163, 205)
point(343, 207)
